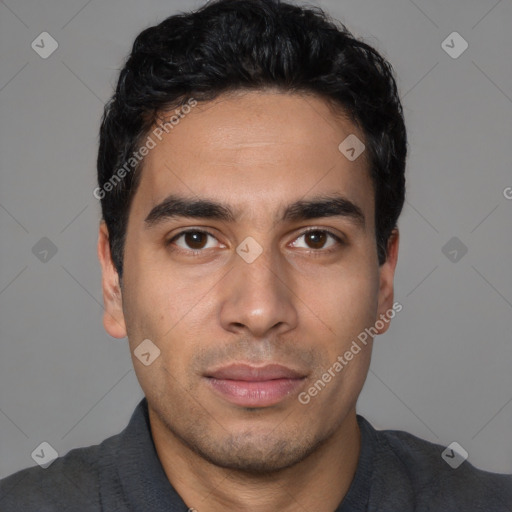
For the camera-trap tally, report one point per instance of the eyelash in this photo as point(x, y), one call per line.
point(198, 252)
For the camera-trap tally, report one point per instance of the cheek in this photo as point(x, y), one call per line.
point(154, 300)
point(347, 299)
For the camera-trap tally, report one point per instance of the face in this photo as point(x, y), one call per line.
point(251, 300)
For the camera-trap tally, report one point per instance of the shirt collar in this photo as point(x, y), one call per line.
point(141, 475)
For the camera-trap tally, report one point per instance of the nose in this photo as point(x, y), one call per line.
point(258, 297)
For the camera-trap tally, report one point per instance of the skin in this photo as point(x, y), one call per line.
point(297, 304)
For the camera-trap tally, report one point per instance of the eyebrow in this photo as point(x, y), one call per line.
point(333, 205)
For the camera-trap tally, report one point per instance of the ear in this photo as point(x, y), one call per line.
point(386, 287)
point(113, 317)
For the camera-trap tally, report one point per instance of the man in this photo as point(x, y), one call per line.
point(251, 174)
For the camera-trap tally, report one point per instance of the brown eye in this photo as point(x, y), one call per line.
point(195, 239)
point(192, 240)
point(316, 239)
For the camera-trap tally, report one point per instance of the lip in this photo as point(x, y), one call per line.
point(253, 386)
point(250, 373)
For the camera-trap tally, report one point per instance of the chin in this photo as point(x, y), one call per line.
point(256, 456)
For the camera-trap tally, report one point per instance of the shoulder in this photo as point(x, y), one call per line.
point(70, 479)
point(437, 478)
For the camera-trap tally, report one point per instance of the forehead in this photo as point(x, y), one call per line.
point(255, 151)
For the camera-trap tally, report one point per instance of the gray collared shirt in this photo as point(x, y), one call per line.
point(396, 472)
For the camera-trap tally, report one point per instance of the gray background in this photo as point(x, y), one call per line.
point(442, 371)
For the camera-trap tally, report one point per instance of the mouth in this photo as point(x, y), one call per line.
point(252, 386)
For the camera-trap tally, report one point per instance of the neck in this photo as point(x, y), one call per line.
point(319, 482)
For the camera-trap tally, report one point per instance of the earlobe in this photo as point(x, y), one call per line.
point(386, 283)
point(113, 317)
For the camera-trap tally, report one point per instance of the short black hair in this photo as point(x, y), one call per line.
point(236, 45)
